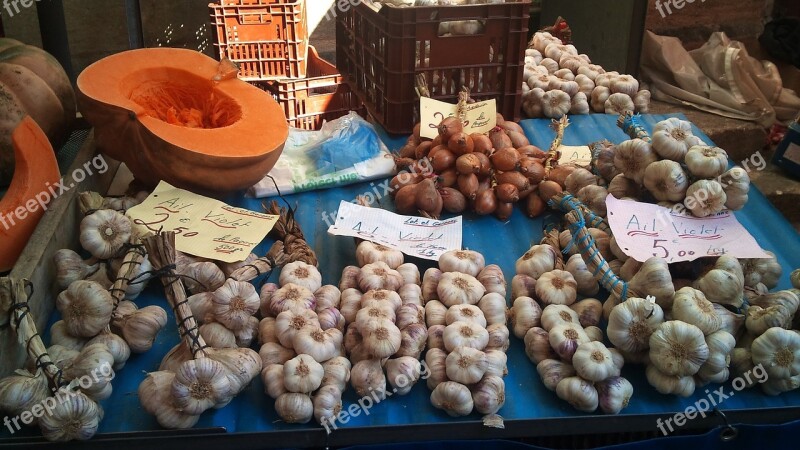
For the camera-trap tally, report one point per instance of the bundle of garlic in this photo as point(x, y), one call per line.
point(465, 311)
point(559, 81)
point(195, 377)
point(301, 336)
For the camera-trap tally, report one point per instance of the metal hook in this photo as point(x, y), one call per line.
point(728, 433)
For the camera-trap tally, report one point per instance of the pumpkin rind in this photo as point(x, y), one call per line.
point(140, 102)
point(36, 167)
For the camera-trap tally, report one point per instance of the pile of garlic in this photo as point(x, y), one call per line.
point(465, 310)
point(386, 334)
point(561, 333)
point(301, 334)
point(559, 81)
point(676, 170)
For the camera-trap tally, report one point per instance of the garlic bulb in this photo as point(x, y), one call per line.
point(585, 282)
point(337, 372)
point(778, 351)
point(691, 306)
point(720, 346)
point(724, 282)
point(463, 261)
point(632, 158)
point(536, 261)
point(629, 268)
point(413, 338)
point(291, 297)
point(594, 197)
point(631, 323)
point(331, 318)
point(410, 274)
point(619, 104)
point(524, 314)
point(457, 288)
point(104, 233)
point(465, 365)
point(368, 253)
point(375, 310)
point(60, 336)
point(599, 97)
point(265, 296)
point(578, 179)
point(327, 297)
point(381, 338)
point(465, 334)
point(21, 391)
point(318, 344)
point(242, 364)
point(556, 104)
point(294, 407)
point(589, 311)
point(741, 362)
point(435, 360)
point(736, 184)
point(199, 385)
point(71, 267)
point(202, 306)
point(272, 353)
point(156, 399)
point(668, 384)
point(614, 394)
point(494, 309)
point(641, 101)
point(579, 393)
point(402, 373)
point(383, 298)
point(452, 397)
point(302, 374)
point(666, 180)
point(496, 362)
point(537, 345)
point(672, 138)
point(467, 313)
point(556, 287)
point(777, 387)
point(654, 278)
point(678, 348)
point(115, 344)
point(301, 274)
point(593, 362)
point(367, 379)
point(76, 418)
point(594, 333)
point(553, 315)
point(565, 339)
point(435, 313)
point(234, 303)
point(579, 103)
point(761, 270)
point(436, 337)
point(379, 275)
point(349, 279)
point(327, 403)
point(705, 197)
point(624, 84)
point(85, 307)
point(730, 322)
point(552, 371)
point(176, 356)
point(203, 277)
point(585, 84)
point(411, 294)
point(706, 162)
point(489, 395)
point(621, 186)
point(290, 322)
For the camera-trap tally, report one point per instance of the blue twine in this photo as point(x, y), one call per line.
point(624, 295)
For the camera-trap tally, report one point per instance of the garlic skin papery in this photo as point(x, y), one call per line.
point(556, 104)
point(104, 233)
point(565, 339)
point(667, 384)
point(593, 362)
point(320, 345)
point(272, 353)
point(465, 365)
point(337, 372)
point(720, 346)
point(536, 261)
point(203, 277)
point(411, 294)
point(654, 278)
point(453, 398)
point(368, 253)
point(435, 359)
point(579, 178)
point(411, 315)
point(618, 103)
point(302, 374)
point(467, 313)
point(705, 197)
point(614, 394)
point(706, 162)
point(589, 311)
point(666, 180)
point(465, 334)
point(22, 390)
point(736, 184)
point(552, 371)
point(641, 101)
point(141, 327)
point(85, 307)
point(585, 282)
point(489, 395)
point(156, 399)
point(621, 187)
point(492, 278)
point(234, 303)
point(523, 286)
point(381, 338)
point(435, 313)
point(624, 84)
point(496, 362)
point(632, 158)
point(672, 138)
point(379, 275)
point(778, 352)
point(723, 283)
point(458, 288)
point(59, 335)
point(494, 308)
point(594, 197)
point(402, 373)
point(678, 348)
point(301, 274)
point(116, 345)
point(71, 267)
point(761, 270)
point(691, 306)
point(464, 261)
point(553, 315)
point(598, 98)
point(265, 296)
point(294, 407)
point(557, 287)
point(631, 323)
point(77, 418)
point(537, 345)
point(367, 378)
point(327, 403)
point(524, 314)
point(291, 297)
point(199, 385)
point(382, 298)
point(579, 393)
point(349, 279)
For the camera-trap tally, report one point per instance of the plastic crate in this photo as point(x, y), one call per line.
point(267, 38)
point(380, 53)
point(321, 96)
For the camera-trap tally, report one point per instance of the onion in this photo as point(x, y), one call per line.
point(517, 179)
point(443, 160)
point(468, 185)
point(486, 202)
point(460, 144)
point(507, 193)
point(453, 200)
point(517, 138)
point(468, 163)
point(549, 188)
point(505, 159)
point(532, 151)
point(422, 149)
point(534, 206)
point(408, 150)
point(448, 178)
point(482, 143)
point(499, 138)
point(404, 179)
point(532, 169)
point(486, 164)
point(406, 199)
point(559, 174)
point(426, 195)
point(504, 210)
point(511, 126)
point(448, 127)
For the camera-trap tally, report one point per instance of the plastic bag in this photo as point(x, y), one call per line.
point(345, 151)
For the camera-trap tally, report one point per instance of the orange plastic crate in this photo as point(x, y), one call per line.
point(267, 38)
point(321, 96)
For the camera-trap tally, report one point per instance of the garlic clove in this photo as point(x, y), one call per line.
point(435, 313)
point(452, 397)
point(116, 345)
point(537, 345)
point(59, 335)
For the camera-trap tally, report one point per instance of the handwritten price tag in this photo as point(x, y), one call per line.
point(481, 116)
point(644, 230)
point(414, 236)
point(578, 155)
point(203, 226)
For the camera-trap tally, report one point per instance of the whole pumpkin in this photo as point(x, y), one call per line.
point(33, 83)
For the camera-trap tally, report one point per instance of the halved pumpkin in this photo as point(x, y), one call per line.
point(161, 112)
point(20, 210)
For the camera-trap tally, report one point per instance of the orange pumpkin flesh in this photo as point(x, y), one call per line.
point(36, 166)
point(159, 111)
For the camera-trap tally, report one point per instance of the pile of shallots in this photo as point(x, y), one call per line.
point(561, 333)
point(559, 81)
point(465, 310)
point(386, 334)
point(456, 172)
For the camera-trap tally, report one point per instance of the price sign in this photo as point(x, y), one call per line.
point(481, 116)
point(644, 230)
point(203, 226)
